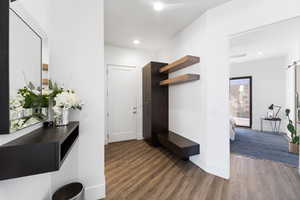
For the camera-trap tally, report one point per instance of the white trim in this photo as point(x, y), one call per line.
point(215, 170)
point(122, 137)
point(107, 139)
point(30, 20)
point(116, 65)
point(211, 169)
point(139, 136)
point(95, 192)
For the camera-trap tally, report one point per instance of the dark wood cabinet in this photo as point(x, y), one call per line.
point(156, 110)
point(155, 103)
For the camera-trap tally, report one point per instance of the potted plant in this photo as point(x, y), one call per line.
point(294, 142)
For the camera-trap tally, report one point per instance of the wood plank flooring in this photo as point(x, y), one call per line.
point(136, 171)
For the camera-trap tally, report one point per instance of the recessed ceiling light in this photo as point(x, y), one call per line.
point(158, 6)
point(136, 42)
point(260, 53)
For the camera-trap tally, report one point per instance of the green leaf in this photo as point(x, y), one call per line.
point(31, 86)
point(295, 140)
point(55, 86)
point(50, 85)
point(291, 128)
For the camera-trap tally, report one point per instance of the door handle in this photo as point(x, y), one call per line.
point(134, 110)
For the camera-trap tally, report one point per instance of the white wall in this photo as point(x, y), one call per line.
point(208, 37)
point(14, 189)
point(131, 57)
point(268, 86)
point(77, 60)
point(187, 102)
point(76, 52)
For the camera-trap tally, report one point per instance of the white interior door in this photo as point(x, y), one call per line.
point(122, 103)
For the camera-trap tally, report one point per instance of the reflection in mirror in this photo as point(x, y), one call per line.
point(27, 104)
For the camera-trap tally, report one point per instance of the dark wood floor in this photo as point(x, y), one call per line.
point(136, 171)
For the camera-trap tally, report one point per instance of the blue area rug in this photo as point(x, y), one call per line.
point(263, 145)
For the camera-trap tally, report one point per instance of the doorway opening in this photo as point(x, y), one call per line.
point(241, 101)
point(262, 89)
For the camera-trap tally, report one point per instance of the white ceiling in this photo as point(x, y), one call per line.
point(257, 43)
point(127, 20)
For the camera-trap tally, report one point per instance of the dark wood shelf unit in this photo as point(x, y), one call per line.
point(180, 64)
point(41, 151)
point(180, 146)
point(156, 106)
point(155, 103)
point(181, 79)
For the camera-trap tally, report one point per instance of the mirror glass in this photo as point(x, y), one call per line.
point(27, 104)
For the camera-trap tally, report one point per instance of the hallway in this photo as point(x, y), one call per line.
point(134, 171)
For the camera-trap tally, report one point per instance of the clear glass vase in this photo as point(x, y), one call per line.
point(63, 119)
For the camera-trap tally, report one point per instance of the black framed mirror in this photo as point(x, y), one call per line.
point(4, 67)
point(22, 102)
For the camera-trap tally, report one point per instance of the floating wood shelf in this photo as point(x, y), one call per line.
point(45, 67)
point(181, 79)
point(41, 151)
point(180, 64)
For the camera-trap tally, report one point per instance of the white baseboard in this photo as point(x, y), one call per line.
point(121, 137)
point(139, 137)
point(95, 192)
point(216, 171)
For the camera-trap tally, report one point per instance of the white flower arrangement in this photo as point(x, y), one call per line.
point(66, 100)
point(22, 123)
point(16, 107)
point(17, 103)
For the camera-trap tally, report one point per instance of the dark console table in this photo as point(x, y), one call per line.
point(274, 122)
point(41, 151)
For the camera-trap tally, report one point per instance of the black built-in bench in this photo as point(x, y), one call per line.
point(181, 146)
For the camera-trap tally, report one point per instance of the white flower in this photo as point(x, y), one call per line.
point(46, 91)
point(17, 103)
point(66, 100)
point(20, 123)
point(57, 110)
